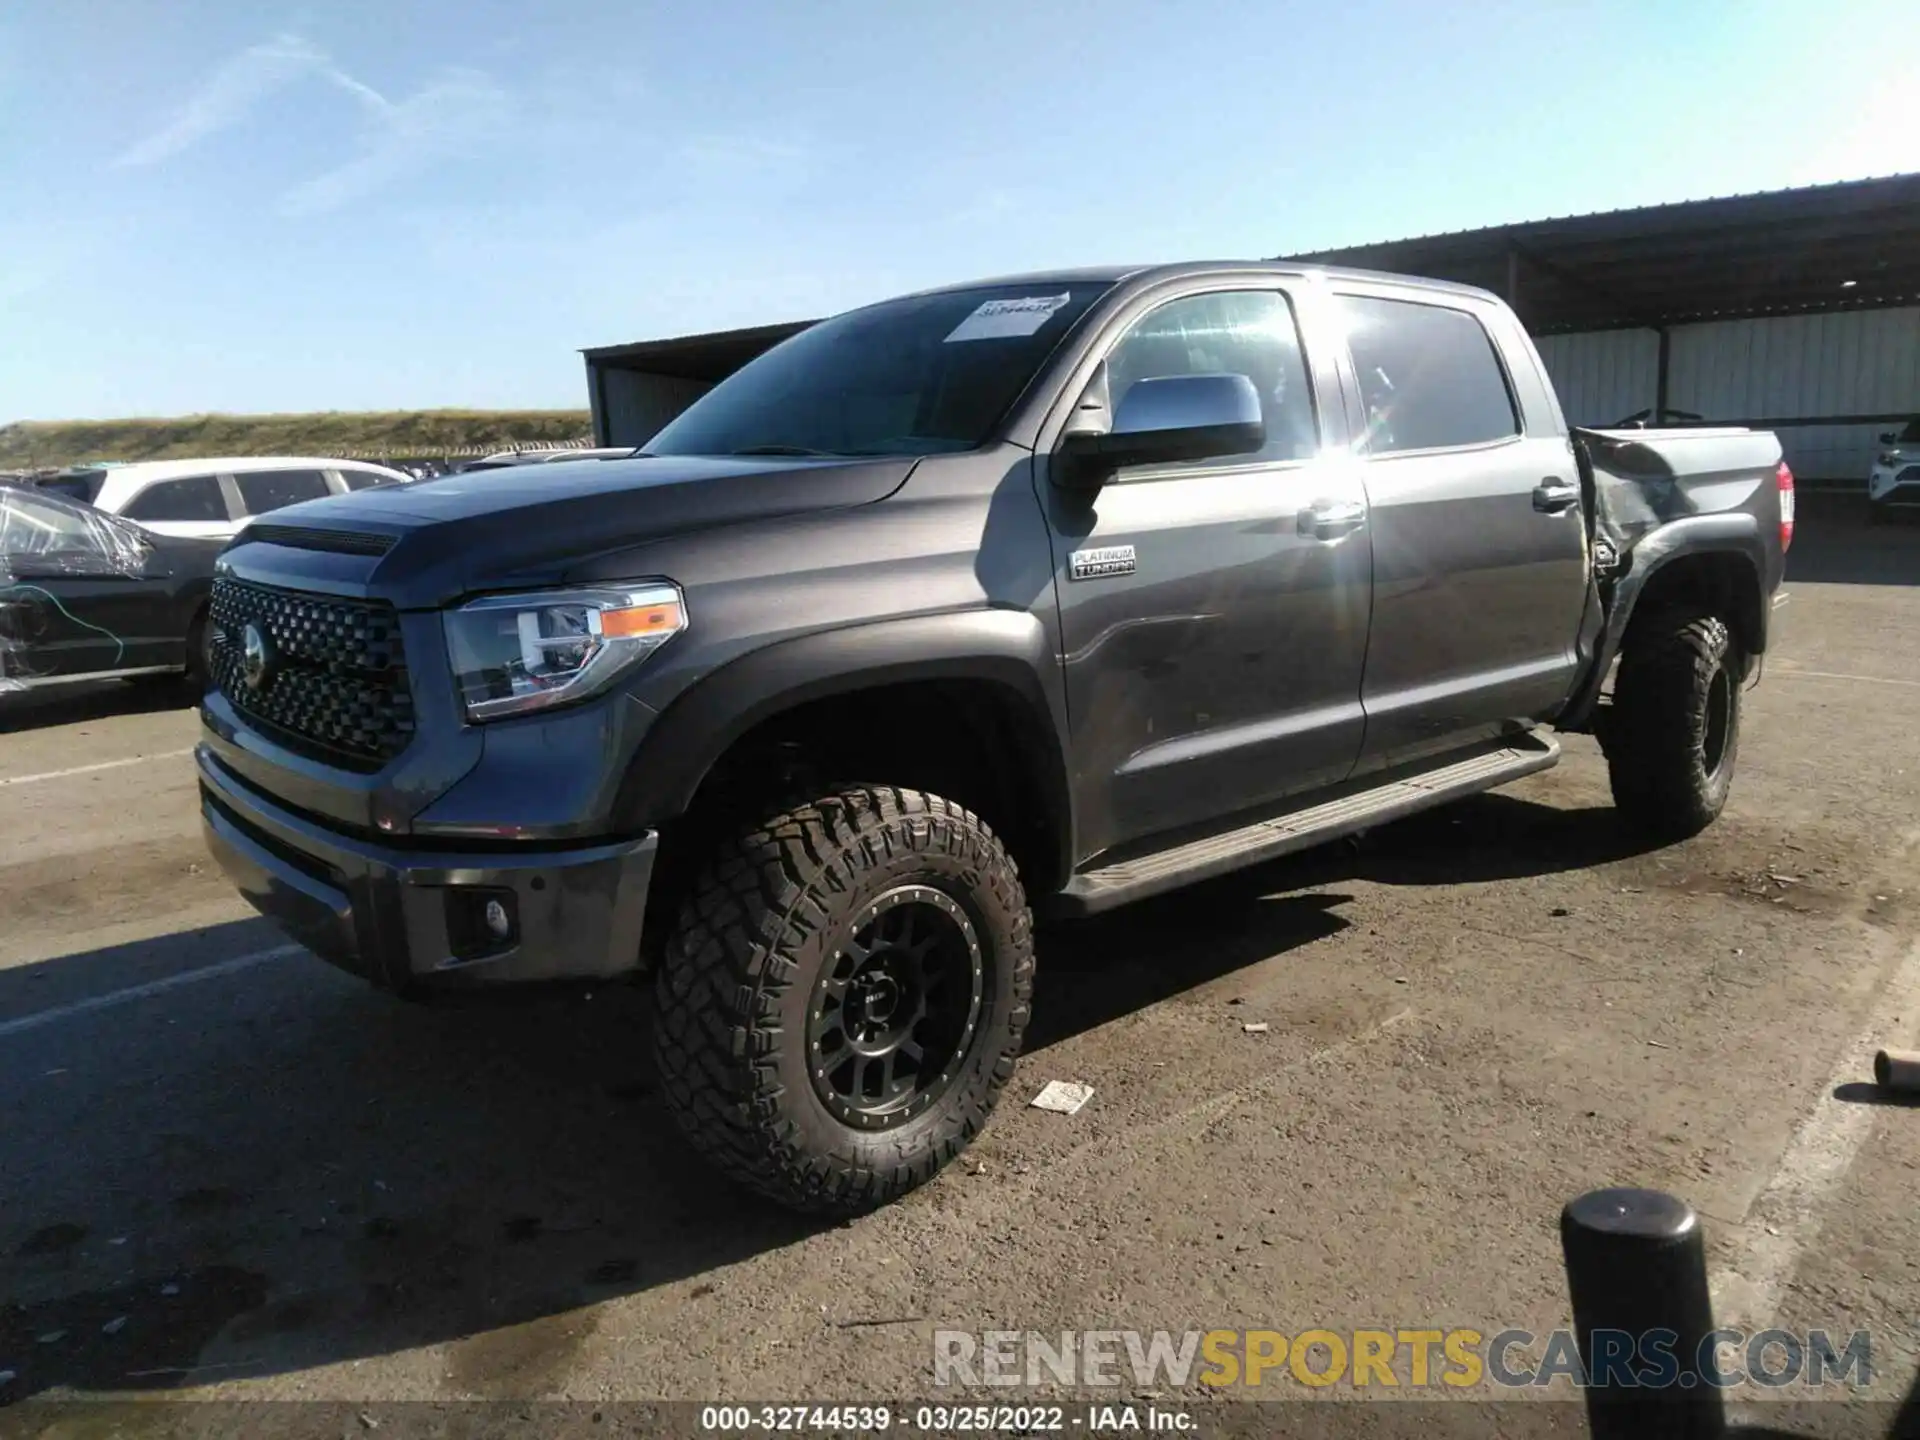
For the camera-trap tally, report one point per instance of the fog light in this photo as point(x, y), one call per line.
point(499, 923)
point(481, 922)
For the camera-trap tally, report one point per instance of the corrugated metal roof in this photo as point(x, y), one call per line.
point(1774, 252)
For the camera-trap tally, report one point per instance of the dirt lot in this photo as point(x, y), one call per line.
point(285, 1186)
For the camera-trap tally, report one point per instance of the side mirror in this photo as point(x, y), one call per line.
point(1887, 437)
point(1168, 419)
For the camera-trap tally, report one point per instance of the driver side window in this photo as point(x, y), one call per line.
point(1235, 332)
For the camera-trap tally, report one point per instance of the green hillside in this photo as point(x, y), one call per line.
point(397, 433)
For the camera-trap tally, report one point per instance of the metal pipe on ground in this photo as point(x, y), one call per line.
point(1898, 1071)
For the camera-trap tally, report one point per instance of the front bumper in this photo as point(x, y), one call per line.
point(1895, 487)
point(405, 919)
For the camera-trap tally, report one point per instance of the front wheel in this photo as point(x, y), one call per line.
point(845, 996)
point(1673, 730)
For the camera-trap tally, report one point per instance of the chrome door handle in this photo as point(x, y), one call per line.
point(1553, 494)
point(1333, 519)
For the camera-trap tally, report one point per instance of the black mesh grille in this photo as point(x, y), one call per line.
point(334, 679)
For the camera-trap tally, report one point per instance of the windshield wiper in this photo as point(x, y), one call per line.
point(800, 451)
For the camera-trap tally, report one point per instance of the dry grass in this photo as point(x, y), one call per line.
point(398, 433)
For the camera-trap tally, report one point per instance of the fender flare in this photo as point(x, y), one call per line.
point(1008, 648)
point(1730, 533)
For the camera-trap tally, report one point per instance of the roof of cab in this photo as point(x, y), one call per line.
point(715, 355)
point(1185, 269)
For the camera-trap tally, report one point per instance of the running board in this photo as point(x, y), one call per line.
point(1128, 880)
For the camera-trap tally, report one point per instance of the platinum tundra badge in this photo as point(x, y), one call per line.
point(1101, 561)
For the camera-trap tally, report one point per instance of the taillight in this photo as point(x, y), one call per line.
point(1783, 477)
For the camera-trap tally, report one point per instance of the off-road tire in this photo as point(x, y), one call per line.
point(1673, 731)
point(740, 969)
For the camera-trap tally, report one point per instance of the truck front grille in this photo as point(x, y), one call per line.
point(323, 676)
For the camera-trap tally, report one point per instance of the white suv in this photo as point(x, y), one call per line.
point(214, 499)
point(1895, 477)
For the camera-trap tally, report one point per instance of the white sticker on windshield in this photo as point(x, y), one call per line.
point(1006, 319)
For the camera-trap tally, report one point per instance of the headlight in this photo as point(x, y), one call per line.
point(514, 653)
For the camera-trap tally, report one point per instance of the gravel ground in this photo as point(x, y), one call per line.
point(265, 1182)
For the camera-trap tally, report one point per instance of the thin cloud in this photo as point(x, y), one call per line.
point(455, 116)
point(230, 94)
point(451, 116)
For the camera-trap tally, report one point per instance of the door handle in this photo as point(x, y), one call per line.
point(1553, 495)
point(1333, 519)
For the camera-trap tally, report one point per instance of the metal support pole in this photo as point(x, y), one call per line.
point(1637, 1277)
point(1660, 376)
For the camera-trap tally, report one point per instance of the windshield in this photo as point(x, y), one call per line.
point(1911, 434)
point(918, 376)
point(39, 527)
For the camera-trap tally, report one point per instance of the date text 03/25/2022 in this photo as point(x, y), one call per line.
point(961, 1419)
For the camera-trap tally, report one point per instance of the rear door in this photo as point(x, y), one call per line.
point(1479, 543)
point(1214, 613)
point(264, 491)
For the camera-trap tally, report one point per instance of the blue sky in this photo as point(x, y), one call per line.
point(244, 205)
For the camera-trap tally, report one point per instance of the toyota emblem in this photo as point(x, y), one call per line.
point(256, 657)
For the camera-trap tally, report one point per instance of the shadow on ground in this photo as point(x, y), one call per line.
point(279, 1169)
point(86, 700)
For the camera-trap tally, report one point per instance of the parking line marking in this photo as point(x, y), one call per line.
point(1788, 1214)
point(142, 992)
point(90, 769)
point(1838, 675)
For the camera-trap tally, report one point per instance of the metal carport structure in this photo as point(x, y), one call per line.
point(1687, 272)
point(1797, 310)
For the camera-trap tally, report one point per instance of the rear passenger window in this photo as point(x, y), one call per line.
point(1429, 376)
point(265, 490)
point(1237, 332)
point(196, 498)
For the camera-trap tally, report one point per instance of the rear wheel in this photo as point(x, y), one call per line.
point(845, 996)
point(1673, 730)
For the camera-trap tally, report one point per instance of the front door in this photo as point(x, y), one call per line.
point(1479, 546)
point(74, 594)
point(1213, 613)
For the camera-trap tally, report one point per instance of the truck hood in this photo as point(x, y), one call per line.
point(430, 543)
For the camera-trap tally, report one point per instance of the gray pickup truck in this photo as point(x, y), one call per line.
point(1039, 595)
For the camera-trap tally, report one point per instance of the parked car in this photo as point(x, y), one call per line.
point(87, 596)
point(1043, 594)
point(503, 458)
point(215, 499)
point(1894, 482)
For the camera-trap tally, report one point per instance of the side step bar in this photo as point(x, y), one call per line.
point(1128, 880)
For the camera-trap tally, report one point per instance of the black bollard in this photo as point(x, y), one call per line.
point(1637, 1265)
